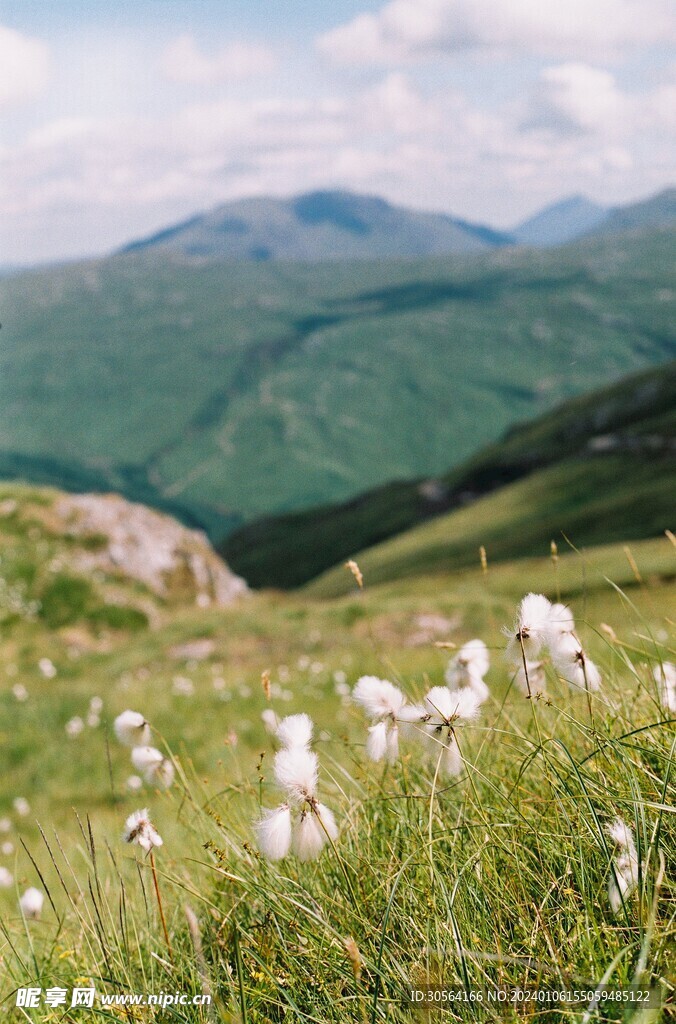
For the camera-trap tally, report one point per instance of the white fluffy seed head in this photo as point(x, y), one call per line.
point(379, 697)
point(156, 769)
point(560, 621)
point(624, 876)
point(295, 731)
point(451, 706)
point(296, 772)
point(471, 662)
point(376, 743)
point(139, 829)
point(574, 666)
point(132, 729)
point(31, 903)
point(6, 879)
point(273, 832)
point(536, 677)
point(143, 758)
point(665, 677)
point(621, 834)
point(309, 838)
point(451, 762)
point(270, 720)
point(531, 629)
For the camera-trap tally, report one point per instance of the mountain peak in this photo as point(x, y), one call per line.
point(326, 224)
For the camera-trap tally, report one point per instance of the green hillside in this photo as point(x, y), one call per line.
point(231, 391)
point(617, 439)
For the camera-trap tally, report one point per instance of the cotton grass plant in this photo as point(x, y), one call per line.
point(483, 849)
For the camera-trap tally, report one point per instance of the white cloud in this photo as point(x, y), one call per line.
point(183, 62)
point(574, 98)
point(404, 30)
point(24, 67)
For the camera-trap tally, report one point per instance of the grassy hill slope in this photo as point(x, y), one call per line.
point(604, 439)
point(230, 391)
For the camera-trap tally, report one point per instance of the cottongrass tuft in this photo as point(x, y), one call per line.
point(295, 731)
point(444, 710)
point(624, 879)
point(31, 903)
point(270, 720)
point(273, 832)
point(573, 664)
point(300, 822)
point(665, 677)
point(156, 769)
point(468, 668)
point(21, 806)
point(531, 630)
point(383, 702)
point(139, 829)
point(132, 729)
point(6, 879)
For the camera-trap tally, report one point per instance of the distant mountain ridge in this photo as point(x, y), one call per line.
point(339, 225)
point(561, 222)
point(316, 226)
point(578, 217)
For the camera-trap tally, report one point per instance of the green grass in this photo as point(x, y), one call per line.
point(577, 503)
point(508, 862)
point(624, 489)
point(231, 391)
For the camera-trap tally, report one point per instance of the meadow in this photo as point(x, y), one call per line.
point(498, 876)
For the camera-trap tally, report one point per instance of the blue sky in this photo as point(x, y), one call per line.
point(118, 118)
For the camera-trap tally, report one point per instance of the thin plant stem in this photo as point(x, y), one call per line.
point(160, 907)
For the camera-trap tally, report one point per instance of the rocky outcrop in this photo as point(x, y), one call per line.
point(144, 545)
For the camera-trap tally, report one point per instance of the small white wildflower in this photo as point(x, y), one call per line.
point(132, 729)
point(7, 848)
point(5, 825)
point(296, 772)
point(134, 783)
point(6, 880)
point(624, 878)
point(573, 665)
point(295, 731)
point(273, 832)
point(74, 726)
point(531, 629)
point(21, 806)
point(47, 668)
point(665, 677)
point(139, 829)
point(270, 720)
point(20, 692)
point(156, 769)
point(31, 903)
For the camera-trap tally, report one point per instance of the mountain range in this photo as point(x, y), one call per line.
point(338, 225)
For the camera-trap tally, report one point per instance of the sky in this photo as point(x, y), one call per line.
point(120, 118)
